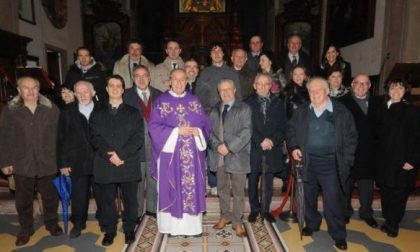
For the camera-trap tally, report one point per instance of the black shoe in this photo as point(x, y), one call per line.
point(151, 214)
point(391, 232)
point(341, 244)
point(76, 231)
point(130, 237)
point(23, 238)
point(307, 231)
point(371, 222)
point(269, 217)
point(55, 230)
point(108, 239)
point(252, 217)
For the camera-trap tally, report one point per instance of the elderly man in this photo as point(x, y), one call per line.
point(75, 154)
point(363, 107)
point(179, 128)
point(255, 45)
point(28, 129)
point(191, 68)
point(124, 67)
point(207, 90)
point(86, 68)
point(230, 144)
point(142, 97)
point(295, 56)
point(246, 76)
point(269, 123)
point(160, 75)
point(322, 136)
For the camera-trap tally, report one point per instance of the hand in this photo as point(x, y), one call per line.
point(115, 159)
point(185, 131)
point(7, 170)
point(65, 171)
point(222, 150)
point(407, 166)
point(195, 131)
point(266, 144)
point(297, 155)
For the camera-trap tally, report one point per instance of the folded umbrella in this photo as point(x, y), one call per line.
point(63, 185)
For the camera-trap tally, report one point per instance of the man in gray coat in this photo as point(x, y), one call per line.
point(323, 136)
point(230, 144)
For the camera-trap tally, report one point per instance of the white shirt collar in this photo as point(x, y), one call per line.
point(177, 95)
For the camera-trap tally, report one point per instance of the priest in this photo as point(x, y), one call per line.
point(179, 128)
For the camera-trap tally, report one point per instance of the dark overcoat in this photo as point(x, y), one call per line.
point(274, 129)
point(398, 141)
point(133, 99)
point(364, 161)
point(345, 138)
point(73, 147)
point(122, 133)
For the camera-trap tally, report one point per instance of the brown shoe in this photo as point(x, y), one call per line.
point(222, 223)
point(23, 238)
point(239, 230)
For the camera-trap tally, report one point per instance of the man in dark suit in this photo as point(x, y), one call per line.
point(295, 56)
point(75, 154)
point(255, 45)
point(269, 123)
point(141, 96)
point(363, 107)
point(192, 69)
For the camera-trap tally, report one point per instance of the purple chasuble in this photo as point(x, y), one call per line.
point(182, 186)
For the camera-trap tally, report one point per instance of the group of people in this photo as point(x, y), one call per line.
point(160, 133)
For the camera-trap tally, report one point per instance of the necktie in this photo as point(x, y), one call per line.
point(174, 65)
point(225, 110)
point(144, 94)
point(294, 61)
point(264, 104)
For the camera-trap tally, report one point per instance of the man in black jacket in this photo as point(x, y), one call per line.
point(323, 136)
point(75, 154)
point(363, 107)
point(141, 97)
point(116, 134)
point(86, 68)
point(268, 133)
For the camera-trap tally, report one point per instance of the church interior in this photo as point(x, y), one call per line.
point(378, 37)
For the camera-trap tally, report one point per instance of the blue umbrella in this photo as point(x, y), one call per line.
point(63, 185)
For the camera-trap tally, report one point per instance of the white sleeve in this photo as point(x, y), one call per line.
point(200, 141)
point(171, 142)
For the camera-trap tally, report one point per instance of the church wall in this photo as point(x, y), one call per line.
point(45, 34)
point(366, 56)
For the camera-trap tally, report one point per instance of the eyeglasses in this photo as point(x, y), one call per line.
point(365, 83)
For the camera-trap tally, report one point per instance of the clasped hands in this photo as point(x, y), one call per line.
point(266, 144)
point(188, 131)
point(115, 159)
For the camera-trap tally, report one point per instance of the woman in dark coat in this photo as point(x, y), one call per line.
point(398, 148)
point(332, 58)
point(295, 93)
point(269, 128)
point(117, 136)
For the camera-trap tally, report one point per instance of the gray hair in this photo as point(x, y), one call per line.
point(20, 80)
point(229, 81)
point(266, 75)
point(322, 80)
point(84, 82)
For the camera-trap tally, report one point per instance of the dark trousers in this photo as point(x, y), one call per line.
point(24, 197)
point(253, 192)
point(109, 215)
point(80, 196)
point(323, 174)
point(365, 188)
point(393, 202)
